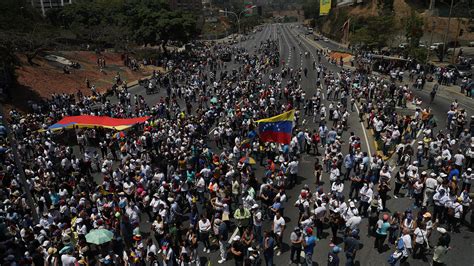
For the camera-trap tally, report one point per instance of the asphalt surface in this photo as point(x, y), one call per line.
point(287, 37)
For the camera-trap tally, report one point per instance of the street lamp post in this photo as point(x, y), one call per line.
point(237, 16)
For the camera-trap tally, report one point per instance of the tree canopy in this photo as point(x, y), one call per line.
point(414, 29)
point(145, 22)
point(374, 32)
point(311, 9)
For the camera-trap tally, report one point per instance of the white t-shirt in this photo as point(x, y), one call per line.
point(419, 235)
point(459, 158)
point(407, 241)
point(353, 222)
point(68, 260)
point(204, 226)
point(278, 225)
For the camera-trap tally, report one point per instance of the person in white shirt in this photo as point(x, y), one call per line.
point(458, 211)
point(407, 245)
point(467, 178)
point(204, 228)
point(421, 241)
point(337, 187)
point(430, 186)
point(67, 259)
point(293, 172)
point(350, 212)
point(354, 222)
point(366, 194)
point(334, 173)
point(459, 159)
point(278, 228)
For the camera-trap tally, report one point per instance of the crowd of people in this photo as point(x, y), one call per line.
point(196, 171)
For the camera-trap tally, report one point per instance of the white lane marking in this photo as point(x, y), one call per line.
point(233, 235)
point(288, 44)
point(365, 134)
point(299, 48)
point(363, 128)
point(309, 48)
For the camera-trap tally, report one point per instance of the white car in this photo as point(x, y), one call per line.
point(403, 45)
point(435, 45)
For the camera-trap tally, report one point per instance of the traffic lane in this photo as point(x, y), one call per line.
point(367, 256)
point(290, 55)
point(329, 44)
point(354, 123)
point(291, 213)
point(456, 255)
point(306, 175)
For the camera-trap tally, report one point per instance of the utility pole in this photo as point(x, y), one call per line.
point(453, 59)
point(431, 41)
point(432, 5)
point(19, 167)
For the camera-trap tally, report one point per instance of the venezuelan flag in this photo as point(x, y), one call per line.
point(278, 128)
point(90, 121)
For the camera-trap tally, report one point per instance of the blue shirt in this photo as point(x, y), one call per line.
point(382, 228)
point(348, 161)
point(453, 172)
point(276, 205)
point(310, 243)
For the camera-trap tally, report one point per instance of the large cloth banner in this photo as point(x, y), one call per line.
point(97, 121)
point(324, 7)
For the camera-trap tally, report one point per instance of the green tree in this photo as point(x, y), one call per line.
point(414, 29)
point(98, 22)
point(23, 29)
point(376, 33)
point(151, 27)
point(311, 9)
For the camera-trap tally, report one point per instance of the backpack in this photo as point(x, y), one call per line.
point(301, 207)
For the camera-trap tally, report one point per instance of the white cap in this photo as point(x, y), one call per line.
point(441, 230)
point(46, 244)
point(236, 238)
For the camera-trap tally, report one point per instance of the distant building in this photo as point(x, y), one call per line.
point(193, 6)
point(46, 5)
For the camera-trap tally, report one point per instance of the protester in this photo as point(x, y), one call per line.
point(191, 172)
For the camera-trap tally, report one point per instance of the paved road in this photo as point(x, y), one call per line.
point(287, 38)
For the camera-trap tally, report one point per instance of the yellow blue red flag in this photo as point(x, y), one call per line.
point(277, 128)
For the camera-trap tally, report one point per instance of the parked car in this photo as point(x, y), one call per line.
point(435, 45)
point(403, 45)
point(461, 70)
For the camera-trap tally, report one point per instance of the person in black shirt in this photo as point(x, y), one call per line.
point(237, 250)
point(333, 258)
point(351, 245)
